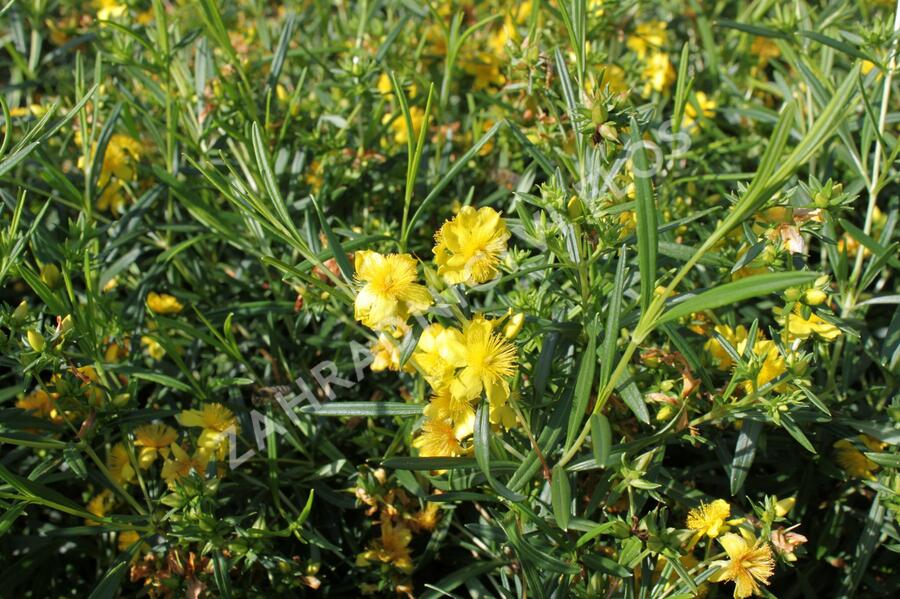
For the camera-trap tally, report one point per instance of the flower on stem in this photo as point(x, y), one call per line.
point(853, 461)
point(119, 465)
point(721, 358)
point(438, 439)
point(390, 292)
point(487, 360)
point(180, 464)
point(798, 327)
point(710, 519)
point(392, 548)
point(216, 420)
point(163, 303)
point(749, 563)
point(468, 247)
point(154, 441)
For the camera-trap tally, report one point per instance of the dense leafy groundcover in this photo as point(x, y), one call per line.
point(473, 299)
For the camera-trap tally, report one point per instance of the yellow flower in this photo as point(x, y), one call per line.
point(109, 9)
point(127, 538)
point(771, 365)
point(398, 124)
point(764, 49)
point(153, 347)
point(100, 505)
point(119, 166)
point(314, 176)
point(707, 107)
point(433, 355)
point(468, 247)
point(649, 36)
point(216, 420)
point(484, 67)
point(426, 519)
point(750, 562)
point(487, 361)
point(457, 411)
point(119, 464)
point(163, 303)
point(392, 548)
point(384, 85)
point(709, 519)
point(438, 439)
point(803, 328)
point(721, 358)
point(853, 461)
point(658, 72)
point(385, 354)
point(180, 464)
point(154, 440)
point(41, 404)
point(390, 293)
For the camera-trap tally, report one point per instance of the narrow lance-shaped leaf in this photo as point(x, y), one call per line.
point(646, 217)
point(744, 452)
point(737, 291)
point(561, 497)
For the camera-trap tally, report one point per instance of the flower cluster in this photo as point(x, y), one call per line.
point(461, 363)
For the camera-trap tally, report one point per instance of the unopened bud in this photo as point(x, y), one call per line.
point(20, 313)
point(792, 294)
point(50, 275)
point(814, 297)
point(35, 340)
point(608, 132)
point(66, 324)
point(784, 506)
point(575, 208)
point(514, 325)
point(665, 413)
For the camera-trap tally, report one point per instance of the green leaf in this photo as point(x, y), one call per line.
point(613, 312)
point(601, 438)
point(682, 88)
point(364, 408)
point(735, 292)
point(220, 574)
point(844, 47)
point(606, 565)
point(561, 496)
point(442, 588)
point(483, 452)
point(583, 383)
point(633, 398)
point(791, 427)
point(340, 254)
point(646, 217)
point(34, 492)
point(744, 452)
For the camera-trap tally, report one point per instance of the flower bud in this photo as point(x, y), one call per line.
point(608, 132)
point(784, 506)
point(50, 275)
point(814, 297)
point(575, 208)
point(792, 294)
point(514, 325)
point(20, 313)
point(66, 324)
point(35, 340)
point(665, 413)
